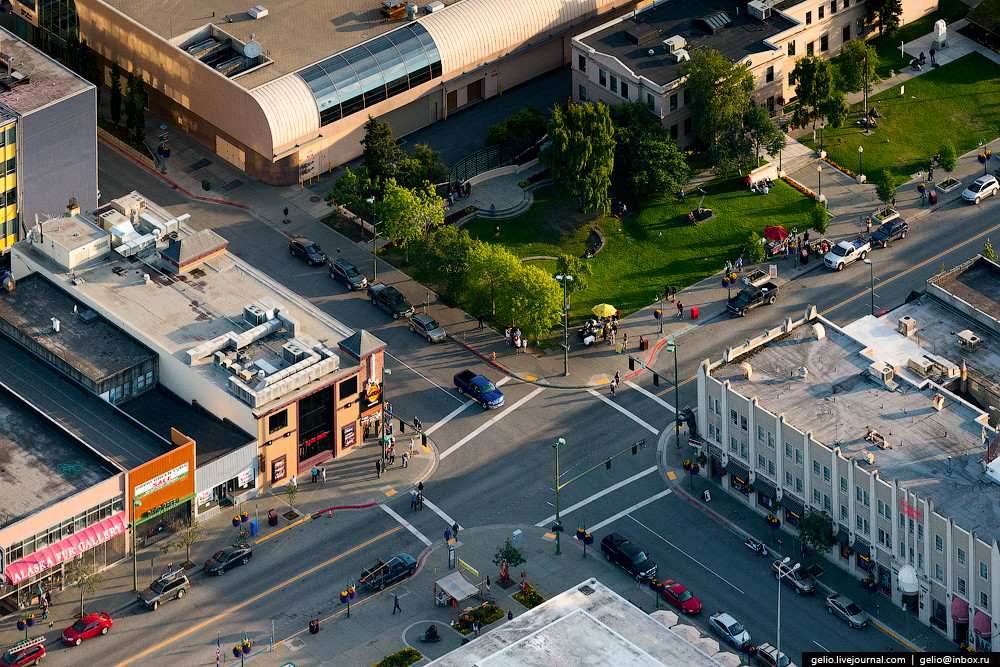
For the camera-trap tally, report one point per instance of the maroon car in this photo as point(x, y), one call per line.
point(28, 652)
point(89, 626)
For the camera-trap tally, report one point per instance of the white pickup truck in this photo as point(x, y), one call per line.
point(846, 252)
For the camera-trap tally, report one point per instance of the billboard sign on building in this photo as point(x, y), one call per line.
point(162, 480)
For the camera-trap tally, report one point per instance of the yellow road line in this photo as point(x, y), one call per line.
point(215, 618)
point(895, 636)
point(281, 530)
point(342, 610)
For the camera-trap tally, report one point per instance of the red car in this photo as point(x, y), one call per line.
point(28, 652)
point(680, 597)
point(89, 626)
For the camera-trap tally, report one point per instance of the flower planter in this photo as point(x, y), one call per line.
point(948, 184)
point(885, 215)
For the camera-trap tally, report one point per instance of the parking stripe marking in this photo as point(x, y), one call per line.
point(448, 452)
point(629, 510)
point(406, 524)
point(598, 495)
point(625, 412)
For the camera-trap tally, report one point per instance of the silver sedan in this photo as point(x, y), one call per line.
point(847, 609)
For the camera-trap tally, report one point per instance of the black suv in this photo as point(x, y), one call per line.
point(171, 586)
point(308, 250)
point(619, 550)
point(890, 231)
point(347, 273)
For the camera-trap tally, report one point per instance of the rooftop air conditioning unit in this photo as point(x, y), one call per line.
point(293, 352)
point(435, 6)
point(257, 12)
point(254, 314)
point(760, 9)
point(674, 43)
point(680, 55)
point(881, 371)
point(920, 365)
point(907, 325)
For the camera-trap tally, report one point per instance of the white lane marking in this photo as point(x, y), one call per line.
point(688, 555)
point(405, 365)
point(625, 412)
point(596, 496)
point(502, 381)
point(650, 394)
point(454, 413)
point(441, 513)
point(446, 453)
point(817, 644)
point(624, 512)
point(406, 524)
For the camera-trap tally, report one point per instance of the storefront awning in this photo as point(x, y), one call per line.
point(737, 469)
point(457, 586)
point(862, 548)
point(66, 549)
point(843, 536)
point(959, 610)
point(793, 504)
point(715, 450)
point(765, 486)
point(981, 625)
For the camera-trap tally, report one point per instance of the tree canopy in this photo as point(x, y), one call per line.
point(816, 531)
point(446, 249)
point(853, 76)
point(948, 157)
point(424, 167)
point(525, 126)
point(885, 187)
point(648, 162)
point(581, 153)
point(813, 77)
point(407, 213)
point(721, 92)
point(761, 132)
point(756, 252)
point(885, 14)
point(381, 154)
point(581, 270)
point(352, 190)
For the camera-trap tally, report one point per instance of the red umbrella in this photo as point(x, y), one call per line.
point(776, 233)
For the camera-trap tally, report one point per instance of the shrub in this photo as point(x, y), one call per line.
point(529, 597)
point(407, 656)
point(485, 614)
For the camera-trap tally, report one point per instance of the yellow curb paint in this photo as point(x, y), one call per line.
point(390, 492)
point(426, 448)
point(281, 530)
point(896, 637)
point(530, 378)
point(671, 476)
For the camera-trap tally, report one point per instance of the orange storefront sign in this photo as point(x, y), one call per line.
point(164, 480)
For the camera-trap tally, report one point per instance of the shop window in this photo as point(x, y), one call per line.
point(277, 421)
point(349, 388)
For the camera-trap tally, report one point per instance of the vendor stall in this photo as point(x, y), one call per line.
point(450, 590)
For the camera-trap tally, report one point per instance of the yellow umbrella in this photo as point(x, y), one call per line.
point(604, 310)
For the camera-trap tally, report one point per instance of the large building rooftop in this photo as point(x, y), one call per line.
point(630, 40)
point(29, 79)
point(934, 453)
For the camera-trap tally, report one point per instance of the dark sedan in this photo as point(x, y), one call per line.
point(228, 558)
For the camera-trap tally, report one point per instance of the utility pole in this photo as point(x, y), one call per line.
point(671, 347)
point(560, 441)
point(563, 279)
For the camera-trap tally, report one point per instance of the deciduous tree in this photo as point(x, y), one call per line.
point(581, 153)
point(816, 531)
point(352, 190)
point(885, 188)
point(527, 125)
point(580, 269)
point(853, 75)
point(948, 157)
point(185, 534)
point(647, 162)
point(813, 77)
point(446, 249)
point(406, 214)
point(756, 252)
point(819, 216)
point(721, 92)
point(116, 92)
point(509, 554)
point(424, 167)
point(885, 14)
point(489, 267)
point(86, 577)
point(988, 251)
point(534, 300)
point(761, 131)
point(381, 154)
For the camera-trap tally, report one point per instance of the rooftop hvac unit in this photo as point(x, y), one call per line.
point(680, 55)
point(411, 11)
point(907, 325)
point(920, 365)
point(220, 358)
point(435, 6)
point(760, 9)
point(293, 352)
point(674, 43)
point(254, 314)
point(257, 12)
point(245, 375)
point(881, 371)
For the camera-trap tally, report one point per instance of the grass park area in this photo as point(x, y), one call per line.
point(654, 245)
point(888, 47)
point(955, 102)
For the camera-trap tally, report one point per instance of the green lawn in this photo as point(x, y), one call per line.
point(888, 47)
point(654, 246)
point(956, 102)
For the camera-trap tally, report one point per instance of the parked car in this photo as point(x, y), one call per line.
point(387, 571)
point(890, 231)
point(680, 597)
point(27, 652)
point(427, 326)
point(846, 252)
point(228, 558)
point(89, 626)
point(729, 629)
point(752, 296)
point(799, 579)
point(847, 609)
point(171, 586)
point(619, 550)
point(347, 273)
point(982, 187)
point(767, 656)
point(390, 299)
point(479, 388)
point(308, 250)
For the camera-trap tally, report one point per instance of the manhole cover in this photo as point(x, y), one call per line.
point(315, 198)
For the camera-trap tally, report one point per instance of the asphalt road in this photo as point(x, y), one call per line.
point(499, 466)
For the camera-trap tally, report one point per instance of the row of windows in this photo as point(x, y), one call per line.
point(822, 8)
point(372, 72)
point(95, 514)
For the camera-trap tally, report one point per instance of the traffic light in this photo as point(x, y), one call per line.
point(656, 379)
point(557, 527)
point(607, 464)
point(423, 439)
point(631, 364)
point(635, 449)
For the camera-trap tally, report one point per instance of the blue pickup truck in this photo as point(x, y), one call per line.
point(478, 388)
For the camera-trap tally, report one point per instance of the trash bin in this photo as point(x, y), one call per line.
point(932, 196)
point(272, 517)
point(254, 527)
point(205, 185)
point(694, 312)
point(643, 343)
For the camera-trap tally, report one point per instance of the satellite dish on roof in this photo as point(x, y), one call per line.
point(252, 49)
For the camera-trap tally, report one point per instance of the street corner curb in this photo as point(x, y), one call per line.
point(420, 561)
point(895, 635)
point(484, 357)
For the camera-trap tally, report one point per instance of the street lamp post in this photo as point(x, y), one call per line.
point(371, 202)
point(564, 279)
point(135, 567)
point(871, 274)
point(783, 569)
point(861, 149)
point(671, 347)
point(385, 431)
point(821, 126)
point(819, 175)
point(560, 441)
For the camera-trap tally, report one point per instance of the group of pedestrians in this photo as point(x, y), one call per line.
point(318, 474)
point(417, 497)
point(390, 456)
point(458, 190)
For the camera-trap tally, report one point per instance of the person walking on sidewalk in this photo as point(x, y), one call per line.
point(618, 378)
point(315, 474)
point(45, 609)
point(323, 475)
point(395, 605)
point(613, 389)
point(481, 324)
point(406, 458)
point(680, 309)
point(625, 341)
point(392, 455)
point(378, 469)
point(413, 501)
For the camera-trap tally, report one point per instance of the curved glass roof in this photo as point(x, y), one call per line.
point(372, 72)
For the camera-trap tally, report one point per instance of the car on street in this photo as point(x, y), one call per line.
point(767, 656)
point(387, 571)
point(88, 626)
point(729, 629)
point(890, 231)
point(27, 652)
point(308, 250)
point(479, 388)
point(228, 558)
point(427, 326)
point(799, 579)
point(622, 552)
point(846, 252)
point(680, 597)
point(345, 272)
point(171, 586)
point(982, 187)
point(847, 609)
point(390, 299)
